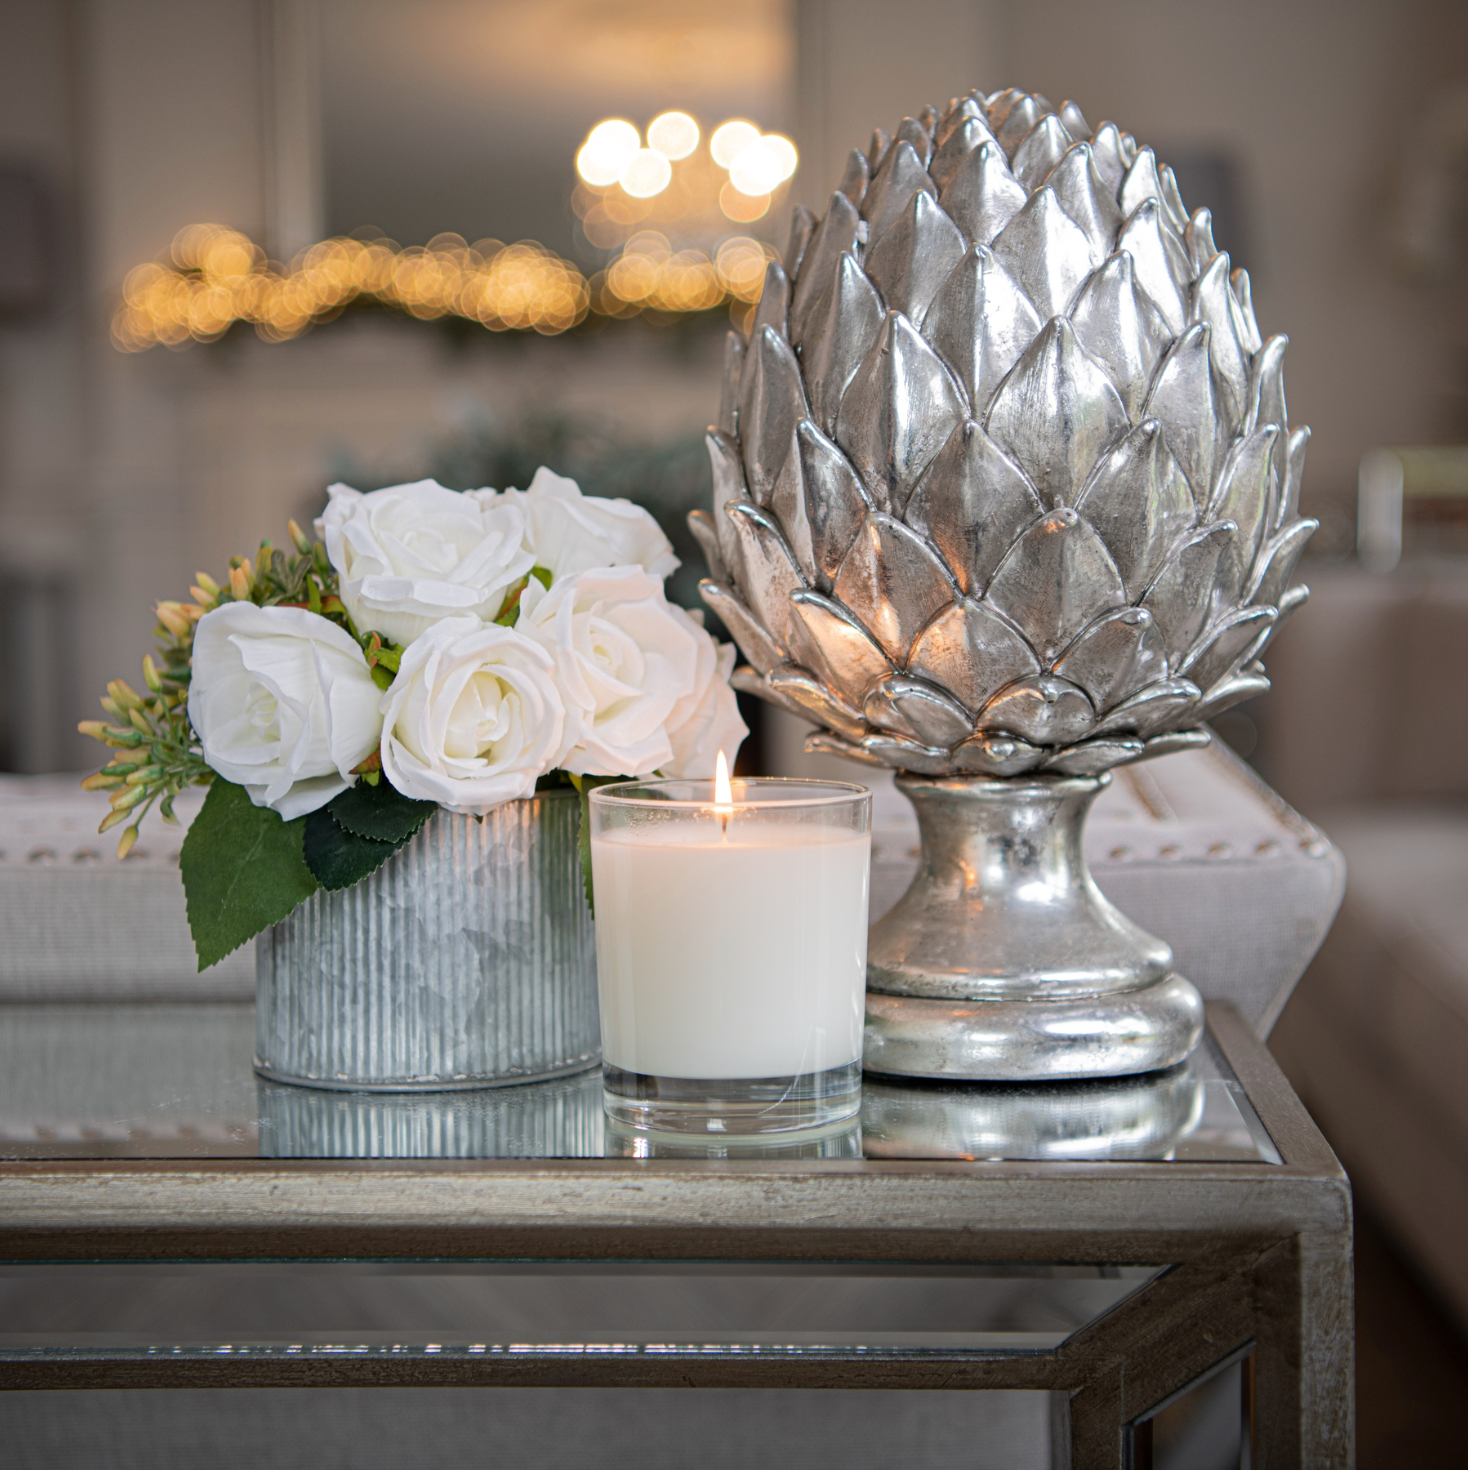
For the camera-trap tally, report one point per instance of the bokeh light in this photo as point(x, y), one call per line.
point(609, 147)
point(782, 153)
point(753, 170)
point(218, 277)
point(666, 229)
point(741, 265)
point(764, 165)
point(674, 134)
point(730, 139)
point(646, 175)
point(661, 212)
point(743, 208)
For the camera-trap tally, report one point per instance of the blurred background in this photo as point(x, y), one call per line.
point(248, 247)
point(146, 432)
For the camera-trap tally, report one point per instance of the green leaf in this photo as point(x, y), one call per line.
point(585, 785)
point(338, 858)
point(509, 613)
point(380, 812)
point(243, 870)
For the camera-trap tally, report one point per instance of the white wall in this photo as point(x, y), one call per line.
point(863, 64)
point(173, 111)
point(41, 417)
point(146, 116)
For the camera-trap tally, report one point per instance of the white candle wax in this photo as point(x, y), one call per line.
point(733, 955)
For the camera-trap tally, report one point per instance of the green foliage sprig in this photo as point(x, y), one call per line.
point(158, 750)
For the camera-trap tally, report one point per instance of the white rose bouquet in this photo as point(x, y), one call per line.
point(429, 648)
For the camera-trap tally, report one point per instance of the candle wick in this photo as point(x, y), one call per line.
point(723, 792)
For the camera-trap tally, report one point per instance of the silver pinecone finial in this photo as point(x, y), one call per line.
point(1004, 480)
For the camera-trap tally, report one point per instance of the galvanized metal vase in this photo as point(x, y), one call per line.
point(467, 960)
point(1004, 961)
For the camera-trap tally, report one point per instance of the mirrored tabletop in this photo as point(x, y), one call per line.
point(167, 1081)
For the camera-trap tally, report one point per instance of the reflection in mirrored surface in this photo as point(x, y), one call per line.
point(551, 1307)
point(1124, 1118)
point(1205, 1426)
point(131, 1080)
point(531, 1429)
point(1192, 1111)
point(559, 1119)
point(840, 1142)
point(175, 1081)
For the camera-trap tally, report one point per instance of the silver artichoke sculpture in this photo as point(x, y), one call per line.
point(1003, 477)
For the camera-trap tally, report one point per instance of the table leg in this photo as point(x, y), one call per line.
point(1305, 1382)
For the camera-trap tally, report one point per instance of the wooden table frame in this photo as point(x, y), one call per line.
point(1261, 1258)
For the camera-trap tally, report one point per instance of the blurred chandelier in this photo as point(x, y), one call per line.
point(668, 209)
point(667, 212)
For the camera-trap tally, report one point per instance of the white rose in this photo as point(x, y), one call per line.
point(707, 719)
point(412, 554)
point(283, 703)
point(569, 532)
point(473, 717)
point(625, 657)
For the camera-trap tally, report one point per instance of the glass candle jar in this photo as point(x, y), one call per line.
point(731, 939)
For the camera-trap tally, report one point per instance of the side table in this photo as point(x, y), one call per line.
point(168, 1221)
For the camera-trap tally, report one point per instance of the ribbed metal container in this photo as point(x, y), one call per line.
point(559, 1119)
point(467, 960)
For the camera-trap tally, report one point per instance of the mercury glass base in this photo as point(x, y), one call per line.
point(1003, 961)
point(731, 1107)
point(1117, 1035)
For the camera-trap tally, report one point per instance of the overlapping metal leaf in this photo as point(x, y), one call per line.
point(1003, 478)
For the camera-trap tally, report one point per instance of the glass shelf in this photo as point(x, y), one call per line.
point(175, 1081)
point(549, 1308)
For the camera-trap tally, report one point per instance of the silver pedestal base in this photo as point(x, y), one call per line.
point(1004, 962)
point(1114, 1035)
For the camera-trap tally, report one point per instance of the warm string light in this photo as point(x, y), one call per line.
point(614, 157)
point(665, 207)
point(649, 274)
point(217, 277)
